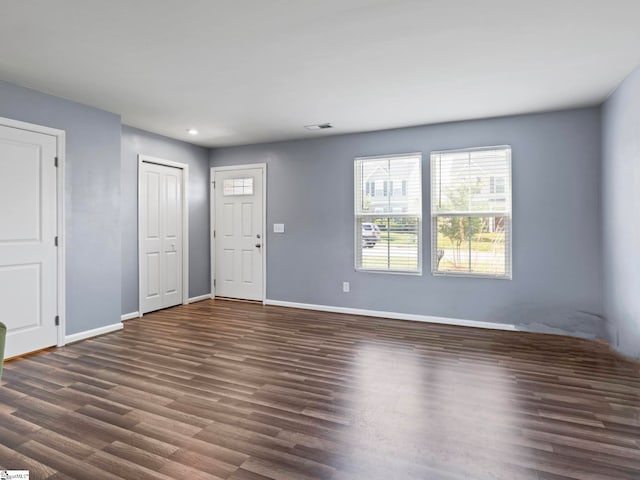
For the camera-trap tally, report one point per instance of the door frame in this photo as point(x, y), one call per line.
point(61, 267)
point(185, 225)
point(212, 211)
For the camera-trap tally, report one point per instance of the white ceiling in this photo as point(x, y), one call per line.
point(247, 71)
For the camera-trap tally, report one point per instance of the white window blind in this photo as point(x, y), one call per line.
point(471, 212)
point(388, 213)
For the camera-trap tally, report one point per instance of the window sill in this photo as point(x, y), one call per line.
point(390, 272)
point(471, 275)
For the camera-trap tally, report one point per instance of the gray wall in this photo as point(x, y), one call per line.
point(556, 282)
point(136, 142)
point(621, 214)
point(557, 261)
point(92, 196)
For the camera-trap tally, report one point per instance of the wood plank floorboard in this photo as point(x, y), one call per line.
point(223, 390)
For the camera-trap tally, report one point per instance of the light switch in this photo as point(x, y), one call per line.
point(278, 228)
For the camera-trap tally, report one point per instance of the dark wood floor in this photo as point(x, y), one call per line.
point(228, 390)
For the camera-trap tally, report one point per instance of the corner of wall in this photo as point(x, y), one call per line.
point(620, 176)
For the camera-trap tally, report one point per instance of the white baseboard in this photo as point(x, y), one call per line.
point(129, 316)
point(394, 315)
point(200, 298)
point(76, 337)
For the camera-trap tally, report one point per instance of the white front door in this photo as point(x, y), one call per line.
point(28, 229)
point(238, 235)
point(161, 225)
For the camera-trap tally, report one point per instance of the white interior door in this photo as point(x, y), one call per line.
point(238, 233)
point(161, 227)
point(28, 227)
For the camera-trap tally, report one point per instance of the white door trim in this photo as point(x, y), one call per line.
point(212, 210)
point(61, 267)
point(185, 225)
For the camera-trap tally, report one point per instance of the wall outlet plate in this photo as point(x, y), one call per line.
point(278, 228)
point(346, 287)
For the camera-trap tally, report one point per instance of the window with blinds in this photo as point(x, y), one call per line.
point(388, 213)
point(471, 212)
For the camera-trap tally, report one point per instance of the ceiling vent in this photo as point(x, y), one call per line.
point(319, 126)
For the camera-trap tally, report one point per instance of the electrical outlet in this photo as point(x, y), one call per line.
point(346, 287)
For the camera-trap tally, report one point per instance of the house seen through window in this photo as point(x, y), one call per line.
point(471, 212)
point(388, 213)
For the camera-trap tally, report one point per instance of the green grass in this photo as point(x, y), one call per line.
point(482, 242)
point(399, 237)
point(402, 241)
point(447, 265)
point(398, 263)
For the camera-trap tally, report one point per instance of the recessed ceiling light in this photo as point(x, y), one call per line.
point(192, 131)
point(319, 126)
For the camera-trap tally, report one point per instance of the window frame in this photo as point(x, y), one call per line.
point(359, 218)
point(507, 215)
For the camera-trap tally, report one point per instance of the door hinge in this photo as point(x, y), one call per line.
point(55, 161)
point(57, 320)
point(214, 283)
point(55, 241)
point(214, 184)
point(214, 234)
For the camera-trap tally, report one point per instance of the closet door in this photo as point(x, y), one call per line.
point(161, 227)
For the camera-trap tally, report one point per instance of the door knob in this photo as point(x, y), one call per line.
point(258, 235)
point(258, 245)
